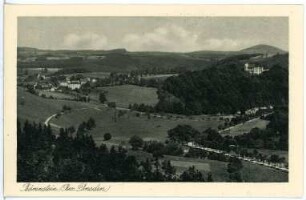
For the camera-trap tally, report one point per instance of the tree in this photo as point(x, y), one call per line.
point(81, 129)
point(71, 129)
point(191, 174)
point(66, 108)
point(107, 136)
point(111, 104)
point(233, 168)
point(169, 170)
point(274, 158)
point(209, 177)
point(235, 177)
point(234, 165)
point(102, 98)
point(91, 123)
point(136, 142)
point(182, 133)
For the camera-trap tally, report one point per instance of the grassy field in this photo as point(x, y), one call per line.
point(57, 95)
point(250, 172)
point(258, 173)
point(246, 127)
point(93, 74)
point(158, 76)
point(122, 128)
point(38, 109)
point(269, 152)
point(219, 170)
point(124, 95)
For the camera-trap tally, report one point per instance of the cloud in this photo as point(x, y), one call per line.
point(226, 44)
point(178, 39)
point(170, 38)
point(85, 41)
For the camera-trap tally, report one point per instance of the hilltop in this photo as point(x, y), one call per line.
point(263, 49)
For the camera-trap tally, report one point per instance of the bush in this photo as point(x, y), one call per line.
point(66, 108)
point(111, 104)
point(107, 136)
point(136, 142)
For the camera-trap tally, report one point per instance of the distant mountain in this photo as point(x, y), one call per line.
point(263, 49)
point(116, 60)
point(121, 60)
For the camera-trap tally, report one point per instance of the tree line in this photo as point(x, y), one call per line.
point(274, 137)
point(44, 157)
point(223, 89)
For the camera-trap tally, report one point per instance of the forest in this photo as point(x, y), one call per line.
point(43, 157)
point(274, 137)
point(224, 89)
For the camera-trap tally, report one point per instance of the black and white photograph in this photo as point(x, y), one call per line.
point(152, 99)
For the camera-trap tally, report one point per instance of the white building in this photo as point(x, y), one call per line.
point(251, 111)
point(64, 84)
point(74, 85)
point(253, 68)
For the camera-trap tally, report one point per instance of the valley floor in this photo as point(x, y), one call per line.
point(152, 127)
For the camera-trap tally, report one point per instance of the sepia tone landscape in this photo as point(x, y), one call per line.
point(160, 106)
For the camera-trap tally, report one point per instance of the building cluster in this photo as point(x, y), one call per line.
point(42, 82)
point(256, 109)
point(74, 84)
point(254, 69)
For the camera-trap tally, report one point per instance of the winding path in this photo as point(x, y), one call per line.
point(48, 119)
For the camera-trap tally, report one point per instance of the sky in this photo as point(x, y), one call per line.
point(171, 34)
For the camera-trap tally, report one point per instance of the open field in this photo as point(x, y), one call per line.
point(38, 109)
point(186, 164)
point(93, 74)
point(269, 152)
point(122, 128)
point(158, 76)
point(57, 95)
point(31, 71)
point(219, 168)
point(258, 173)
point(127, 125)
point(246, 127)
point(124, 95)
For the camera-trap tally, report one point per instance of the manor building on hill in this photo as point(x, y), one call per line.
point(254, 68)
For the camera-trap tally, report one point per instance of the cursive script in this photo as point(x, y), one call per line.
point(32, 187)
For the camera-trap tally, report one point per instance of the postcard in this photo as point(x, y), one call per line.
point(153, 100)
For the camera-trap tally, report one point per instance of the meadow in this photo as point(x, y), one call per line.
point(124, 95)
point(38, 109)
point(35, 108)
point(246, 127)
point(219, 168)
point(269, 152)
point(56, 95)
point(158, 76)
point(100, 75)
point(128, 124)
